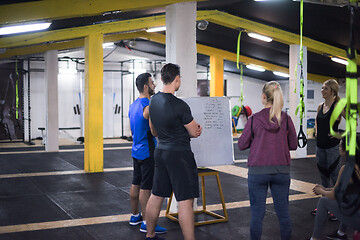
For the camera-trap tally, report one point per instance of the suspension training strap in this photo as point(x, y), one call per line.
point(17, 90)
point(352, 107)
point(301, 135)
point(241, 99)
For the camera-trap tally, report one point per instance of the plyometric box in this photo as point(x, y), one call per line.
point(215, 145)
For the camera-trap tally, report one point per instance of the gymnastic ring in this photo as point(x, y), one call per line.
point(235, 111)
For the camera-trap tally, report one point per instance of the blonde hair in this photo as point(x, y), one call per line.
point(334, 86)
point(274, 95)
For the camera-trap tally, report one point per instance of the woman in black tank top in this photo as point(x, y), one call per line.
point(327, 147)
point(324, 140)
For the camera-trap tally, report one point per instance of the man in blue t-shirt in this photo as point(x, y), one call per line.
point(142, 151)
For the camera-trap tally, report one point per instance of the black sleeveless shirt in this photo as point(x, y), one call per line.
point(323, 139)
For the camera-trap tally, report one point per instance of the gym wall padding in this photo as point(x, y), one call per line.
point(215, 145)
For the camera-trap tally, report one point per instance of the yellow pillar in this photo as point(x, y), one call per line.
point(217, 76)
point(93, 144)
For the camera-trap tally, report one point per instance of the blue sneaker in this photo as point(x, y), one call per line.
point(135, 220)
point(158, 229)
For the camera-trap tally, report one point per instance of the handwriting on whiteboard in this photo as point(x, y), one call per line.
point(213, 116)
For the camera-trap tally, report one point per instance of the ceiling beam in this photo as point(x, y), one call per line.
point(137, 24)
point(206, 50)
point(234, 22)
point(55, 9)
point(214, 16)
point(158, 38)
point(68, 44)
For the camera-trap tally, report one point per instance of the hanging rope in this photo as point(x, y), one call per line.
point(301, 107)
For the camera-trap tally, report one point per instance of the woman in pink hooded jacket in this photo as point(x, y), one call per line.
point(270, 134)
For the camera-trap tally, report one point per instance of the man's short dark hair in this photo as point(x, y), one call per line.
point(141, 80)
point(169, 72)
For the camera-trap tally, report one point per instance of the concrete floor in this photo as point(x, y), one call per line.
point(48, 196)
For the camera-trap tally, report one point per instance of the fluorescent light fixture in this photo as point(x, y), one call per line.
point(157, 29)
point(339, 60)
point(260, 37)
point(255, 67)
point(281, 74)
point(108, 45)
point(30, 27)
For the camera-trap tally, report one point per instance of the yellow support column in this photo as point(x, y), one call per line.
point(217, 76)
point(93, 144)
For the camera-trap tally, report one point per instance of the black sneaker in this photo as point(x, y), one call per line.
point(313, 212)
point(332, 217)
point(336, 236)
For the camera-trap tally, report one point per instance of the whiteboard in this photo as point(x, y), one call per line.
point(215, 145)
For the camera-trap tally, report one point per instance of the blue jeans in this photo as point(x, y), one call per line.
point(258, 186)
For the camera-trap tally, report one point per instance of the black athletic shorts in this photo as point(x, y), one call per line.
point(175, 171)
point(143, 173)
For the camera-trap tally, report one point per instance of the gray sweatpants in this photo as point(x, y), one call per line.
point(326, 204)
point(328, 164)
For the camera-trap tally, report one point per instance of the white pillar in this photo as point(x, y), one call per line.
point(294, 60)
point(181, 44)
point(51, 101)
point(181, 50)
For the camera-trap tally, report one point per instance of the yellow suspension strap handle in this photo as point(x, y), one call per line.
point(301, 135)
point(241, 99)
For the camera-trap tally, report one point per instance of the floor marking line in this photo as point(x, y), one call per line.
point(297, 185)
point(65, 150)
point(124, 217)
point(37, 174)
point(240, 161)
point(57, 173)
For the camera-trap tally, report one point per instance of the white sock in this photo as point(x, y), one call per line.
point(340, 233)
point(144, 222)
point(137, 215)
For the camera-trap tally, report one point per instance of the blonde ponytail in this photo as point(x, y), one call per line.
point(274, 95)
